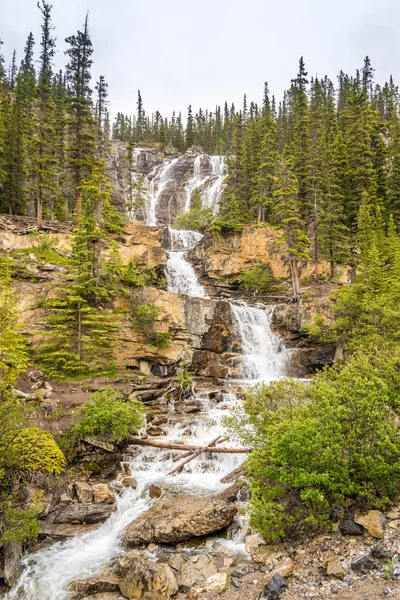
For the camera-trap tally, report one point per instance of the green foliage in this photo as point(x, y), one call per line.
point(23, 450)
point(80, 338)
point(38, 451)
point(196, 219)
point(19, 524)
point(185, 378)
point(144, 315)
point(135, 277)
point(328, 443)
point(258, 280)
point(159, 339)
point(108, 416)
point(13, 347)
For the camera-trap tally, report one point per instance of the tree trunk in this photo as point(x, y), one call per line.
point(172, 446)
point(332, 270)
point(39, 210)
point(79, 322)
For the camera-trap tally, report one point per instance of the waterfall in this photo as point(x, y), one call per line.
point(181, 276)
point(48, 572)
point(161, 176)
point(194, 182)
point(263, 352)
point(213, 194)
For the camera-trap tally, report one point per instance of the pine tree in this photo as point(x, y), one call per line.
point(101, 109)
point(13, 72)
point(300, 145)
point(13, 347)
point(189, 134)
point(262, 197)
point(287, 214)
point(81, 127)
point(42, 167)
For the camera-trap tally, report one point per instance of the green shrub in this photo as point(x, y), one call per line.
point(196, 219)
point(159, 339)
point(258, 280)
point(135, 277)
point(36, 450)
point(108, 416)
point(144, 316)
point(327, 444)
point(185, 378)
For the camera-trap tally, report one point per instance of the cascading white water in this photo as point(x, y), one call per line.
point(48, 572)
point(194, 182)
point(264, 355)
point(181, 276)
point(162, 175)
point(212, 194)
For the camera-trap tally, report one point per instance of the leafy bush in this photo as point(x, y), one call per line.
point(108, 416)
point(258, 280)
point(135, 277)
point(159, 339)
point(144, 316)
point(185, 378)
point(327, 444)
point(36, 450)
point(21, 449)
point(196, 219)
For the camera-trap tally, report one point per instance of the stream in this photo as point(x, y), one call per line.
point(48, 572)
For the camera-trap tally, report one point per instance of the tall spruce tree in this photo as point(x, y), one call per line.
point(42, 163)
point(287, 214)
point(81, 147)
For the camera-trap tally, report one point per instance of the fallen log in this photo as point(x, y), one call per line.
point(135, 441)
point(193, 455)
point(178, 458)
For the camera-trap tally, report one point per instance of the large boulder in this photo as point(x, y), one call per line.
point(12, 561)
point(179, 519)
point(192, 570)
point(146, 580)
point(80, 513)
point(108, 582)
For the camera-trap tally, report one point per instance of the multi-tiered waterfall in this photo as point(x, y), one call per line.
point(48, 572)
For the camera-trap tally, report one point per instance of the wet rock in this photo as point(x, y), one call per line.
point(64, 531)
point(274, 588)
point(102, 583)
point(83, 491)
point(129, 482)
point(148, 581)
point(232, 492)
point(104, 596)
point(80, 513)
point(179, 519)
point(102, 494)
point(155, 491)
point(12, 562)
point(373, 522)
point(334, 568)
point(363, 563)
point(349, 527)
point(216, 584)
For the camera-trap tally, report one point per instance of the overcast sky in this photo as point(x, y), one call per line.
point(180, 52)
